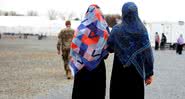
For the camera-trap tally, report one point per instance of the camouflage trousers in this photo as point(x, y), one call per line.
point(65, 57)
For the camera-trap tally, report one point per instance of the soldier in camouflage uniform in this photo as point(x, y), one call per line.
point(63, 46)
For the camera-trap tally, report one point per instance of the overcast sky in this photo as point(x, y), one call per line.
point(149, 10)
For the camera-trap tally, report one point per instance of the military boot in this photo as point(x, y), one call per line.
point(68, 73)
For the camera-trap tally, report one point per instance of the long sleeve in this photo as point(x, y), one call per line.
point(148, 63)
point(59, 43)
point(111, 41)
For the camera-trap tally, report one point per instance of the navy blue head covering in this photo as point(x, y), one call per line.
point(129, 40)
point(130, 18)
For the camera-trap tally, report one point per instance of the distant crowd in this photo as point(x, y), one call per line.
point(22, 35)
point(162, 43)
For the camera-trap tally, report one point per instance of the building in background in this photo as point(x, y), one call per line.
point(42, 25)
point(32, 25)
point(172, 30)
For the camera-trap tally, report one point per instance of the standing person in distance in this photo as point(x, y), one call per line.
point(180, 42)
point(63, 46)
point(157, 41)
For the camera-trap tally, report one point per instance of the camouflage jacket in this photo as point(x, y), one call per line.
point(64, 39)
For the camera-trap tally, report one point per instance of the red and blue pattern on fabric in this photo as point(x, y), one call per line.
point(89, 43)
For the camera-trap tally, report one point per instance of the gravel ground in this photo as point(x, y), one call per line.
point(31, 69)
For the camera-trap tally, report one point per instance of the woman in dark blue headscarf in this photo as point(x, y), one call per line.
point(133, 59)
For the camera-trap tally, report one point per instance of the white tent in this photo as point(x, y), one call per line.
point(42, 25)
point(32, 24)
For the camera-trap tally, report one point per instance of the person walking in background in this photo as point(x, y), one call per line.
point(63, 46)
point(157, 40)
point(180, 42)
point(88, 51)
point(163, 41)
point(133, 58)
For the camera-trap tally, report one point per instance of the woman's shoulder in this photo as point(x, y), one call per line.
point(117, 28)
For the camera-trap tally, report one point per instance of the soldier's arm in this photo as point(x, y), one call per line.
point(59, 43)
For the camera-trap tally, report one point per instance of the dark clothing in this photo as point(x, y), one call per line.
point(90, 84)
point(162, 45)
point(131, 42)
point(157, 40)
point(133, 60)
point(125, 82)
point(88, 49)
point(156, 45)
point(179, 49)
point(163, 41)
